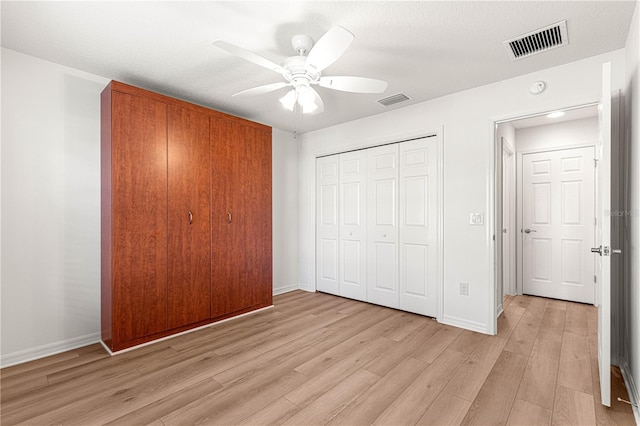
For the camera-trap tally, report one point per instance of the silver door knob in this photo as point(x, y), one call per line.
point(616, 251)
point(528, 231)
point(597, 250)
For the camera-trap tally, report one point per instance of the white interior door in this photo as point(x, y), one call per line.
point(382, 224)
point(353, 225)
point(603, 239)
point(558, 221)
point(418, 233)
point(327, 247)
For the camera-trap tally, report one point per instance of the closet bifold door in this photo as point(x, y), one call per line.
point(240, 217)
point(138, 219)
point(418, 207)
point(382, 226)
point(189, 237)
point(327, 228)
point(352, 202)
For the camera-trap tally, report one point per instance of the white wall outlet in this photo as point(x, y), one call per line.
point(464, 289)
point(476, 219)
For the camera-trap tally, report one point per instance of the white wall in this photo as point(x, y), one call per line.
point(50, 210)
point(50, 288)
point(467, 119)
point(565, 134)
point(631, 354)
point(285, 212)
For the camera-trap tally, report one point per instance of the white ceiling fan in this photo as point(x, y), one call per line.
point(303, 71)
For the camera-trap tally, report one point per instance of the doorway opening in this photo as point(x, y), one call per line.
point(545, 208)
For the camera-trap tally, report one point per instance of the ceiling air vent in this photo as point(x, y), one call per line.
point(394, 99)
point(538, 41)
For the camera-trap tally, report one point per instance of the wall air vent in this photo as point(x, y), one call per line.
point(394, 99)
point(538, 41)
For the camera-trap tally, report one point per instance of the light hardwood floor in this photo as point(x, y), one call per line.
point(320, 359)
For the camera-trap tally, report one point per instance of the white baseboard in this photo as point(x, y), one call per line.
point(309, 289)
point(191, 330)
point(462, 323)
point(285, 289)
point(632, 389)
point(47, 350)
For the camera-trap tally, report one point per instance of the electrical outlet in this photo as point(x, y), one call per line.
point(464, 289)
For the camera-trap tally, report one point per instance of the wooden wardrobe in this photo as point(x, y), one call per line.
point(186, 216)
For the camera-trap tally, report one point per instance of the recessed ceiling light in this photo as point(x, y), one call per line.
point(555, 114)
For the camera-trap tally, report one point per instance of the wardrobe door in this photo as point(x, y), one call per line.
point(327, 228)
point(255, 215)
point(382, 224)
point(189, 239)
point(139, 216)
point(353, 225)
point(241, 217)
point(418, 210)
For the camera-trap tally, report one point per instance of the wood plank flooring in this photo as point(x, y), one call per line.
point(319, 359)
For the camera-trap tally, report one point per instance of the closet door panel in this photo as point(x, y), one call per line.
point(327, 225)
point(189, 242)
point(241, 217)
point(139, 216)
point(382, 220)
point(418, 226)
point(255, 215)
point(353, 225)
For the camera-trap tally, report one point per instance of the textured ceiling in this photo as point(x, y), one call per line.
point(426, 49)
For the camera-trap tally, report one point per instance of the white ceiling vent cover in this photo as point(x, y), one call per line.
point(538, 41)
point(393, 99)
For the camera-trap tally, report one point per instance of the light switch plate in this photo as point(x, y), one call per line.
point(476, 219)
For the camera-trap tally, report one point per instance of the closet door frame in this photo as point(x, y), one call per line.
point(437, 134)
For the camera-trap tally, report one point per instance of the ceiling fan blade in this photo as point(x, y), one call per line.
point(249, 56)
point(353, 84)
point(318, 101)
point(262, 89)
point(329, 48)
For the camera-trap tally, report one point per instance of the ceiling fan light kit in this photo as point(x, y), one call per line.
point(302, 72)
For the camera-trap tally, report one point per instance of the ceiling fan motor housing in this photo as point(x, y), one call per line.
point(299, 72)
point(302, 43)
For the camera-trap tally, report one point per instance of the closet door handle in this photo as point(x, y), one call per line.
point(190, 218)
point(229, 216)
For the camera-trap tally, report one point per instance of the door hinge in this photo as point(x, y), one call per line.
point(595, 279)
point(595, 220)
point(595, 162)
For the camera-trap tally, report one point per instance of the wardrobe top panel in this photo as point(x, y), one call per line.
point(116, 86)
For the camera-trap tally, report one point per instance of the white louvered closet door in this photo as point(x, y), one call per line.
point(418, 238)
point(382, 225)
point(327, 244)
point(353, 225)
